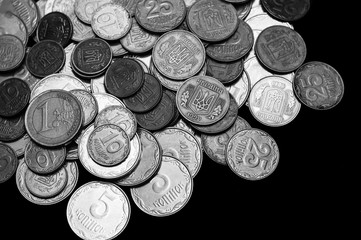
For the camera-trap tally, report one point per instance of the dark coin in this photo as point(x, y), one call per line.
point(12, 128)
point(13, 25)
point(243, 9)
point(238, 1)
point(55, 26)
point(147, 97)
point(45, 58)
point(224, 72)
point(14, 96)
point(176, 115)
point(124, 77)
point(8, 162)
point(286, 10)
point(12, 52)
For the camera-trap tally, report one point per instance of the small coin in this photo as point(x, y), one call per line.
point(111, 21)
point(64, 6)
point(53, 118)
point(224, 72)
point(240, 89)
point(98, 210)
point(105, 100)
point(288, 10)
point(81, 31)
point(318, 85)
point(84, 9)
point(203, 100)
point(167, 192)
point(14, 96)
point(243, 9)
point(12, 128)
point(8, 162)
point(88, 104)
point(252, 154)
point(12, 52)
point(19, 145)
point(178, 54)
point(215, 145)
point(13, 25)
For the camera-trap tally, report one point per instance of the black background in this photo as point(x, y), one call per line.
point(307, 191)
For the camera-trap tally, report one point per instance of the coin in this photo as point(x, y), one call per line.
point(212, 20)
point(84, 9)
point(14, 96)
point(176, 114)
point(237, 1)
point(286, 10)
point(181, 124)
point(12, 25)
point(117, 48)
point(240, 89)
point(224, 72)
point(161, 15)
point(12, 128)
point(19, 145)
point(88, 104)
point(12, 52)
point(8, 162)
point(252, 154)
point(318, 85)
point(111, 21)
point(129, 5)
point(166, 82)
point(63, 6)
point(105, 100)
point(143, 59)
point(97, 85)
point(22, 73)
point(98, 210)
point(203, 100)
point(81, 31)
point(263, 20)
point(124, 77)
point(215, 145)
point(243, 9)
point(167, 192)
point(41, 7)
point(272, 101)
point(178, 54)
point(72, 152)
point(53, 118)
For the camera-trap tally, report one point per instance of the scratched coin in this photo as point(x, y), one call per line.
point(12, 25)
point(105, 100)
point(288, 10)
point(224, 72)
point(12, 52)
point(88, 104)
point(8, 162)
point(19, 145)
point(14, 96)
point(98, 210)
point(318, 85)
point(252, 154)
point(240, 89)
point(167, 192)
point(12, 128)
point(84, 9)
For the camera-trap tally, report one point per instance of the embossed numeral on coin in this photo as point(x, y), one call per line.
point(45, 159)
point(106, 20)
point(160, 183)
point(158, 8)
point(310, 83)
point(100, 210)
point(113, 146)
point(8, 92)
point(257, 154)
point(45, 124)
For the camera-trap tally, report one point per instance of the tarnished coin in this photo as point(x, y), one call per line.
point(12, 128)
point(12, 25)
point(215, 145)
point(45, 58)
point(318, 85)
point(19, 145)
point(252, 154)
point(88, 103)
point(111, 21)
point(119, 116)
point(19, 72)
point(105, 100)
point(224, 72)
point(203, 100)
point(272, 101)
point(167, 192)
point(280, 48)
point(81, 31)
point(8, 162)
point(12, 52)
point(161, 15)
point(240, 89)
point(14, 96)
point(181, 145)
point(243, 9)
point(288, 10)
point(98, 210)
point(84, 9)
point(176, 115)
point(178, 54)
point(53, 118)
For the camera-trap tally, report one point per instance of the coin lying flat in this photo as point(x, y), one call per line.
point(240, 89)
point(98, 210)
point(105, 100)
point(286, 10)
point(8, 162)
point(19, 145)
point(12, 52)
point(13, 25)
point(14, 96)
point(84, 9)
point(224, 72)
point(12, 128)
point(88, 104)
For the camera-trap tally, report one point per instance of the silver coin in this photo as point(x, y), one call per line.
point(181, 124)
point(143, 64)
point(256, 9)
point(67, 68)
point(105, 100)
point(88, 103)
point(240, 89)
point(97, 85)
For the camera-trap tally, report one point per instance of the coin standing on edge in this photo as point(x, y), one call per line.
point(8, 162)
point(12, 52)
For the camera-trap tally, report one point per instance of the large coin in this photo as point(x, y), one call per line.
point(167, 192)
point(105, 100)
point(288, 10)
point(98, 210)
point(240, 89)
point(8, 162)
point(88, 103)
point(14, 96)
point(224, 72)
point(53, 118)
point(13, 25)
point(12, 52)
point(84, 9)
point(12, 128)
point(203, 100)
point(178, 54)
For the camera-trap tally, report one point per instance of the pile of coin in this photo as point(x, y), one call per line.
point(136, 91)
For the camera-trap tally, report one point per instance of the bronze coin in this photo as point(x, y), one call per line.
point(224, 72)
point(286, 10)
point(13, 25)
point(12, 128)
point(12, 52)
point(14, 96)
point(8, 162)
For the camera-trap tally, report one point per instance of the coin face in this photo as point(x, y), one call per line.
point(240, 89)
point(105, 100)
point(14, 96)
point(167, 192)
point(12, 128)
point(178, 54)
point(88, 104)
point(98, 210)
point(224, 72)
point(318, 85)
point(8, 162)
point(12, 52)
point(53, 118)
point(288, 10)
point(203, 100)
point(252, 154)
point(13, 25)
point(84, 9)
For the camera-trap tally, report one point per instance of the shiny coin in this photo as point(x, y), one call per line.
point(105, 100)
point(318, 85)
point(215, 145)
point(81, 31)
point(68, 68)
point(41, 7)
point(167, 192)
point(288, 10)
point(203, 100)
point(243, 9)
point(240, 89)
point(252, 154)
point(19, 145)
point(14, 96)
point(12, 128)
point(53, 118)
point(8, 162)
point(88, 104)
point(224, 72)
point(178, 54)
point(272, 101)
point(64, 6)
point(97, 85)
point(72, 152)
point(12, 25)
point(98, 210)
point(84, 9)
point(212, 20)
point(111, 21)
point(12, 52)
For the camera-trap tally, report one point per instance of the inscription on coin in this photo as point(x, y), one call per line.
point(84, 9)
point(14, 96)
point(12, 52)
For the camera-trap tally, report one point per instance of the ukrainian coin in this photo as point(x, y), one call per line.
point(318, 85)
point(43, 160)
point(53, 118)
point(178, 54)
point(263, 20)
point(147, 97)
point(45, 58)
point(84, 9)
point(19, 72)
point(12, 52)
point(183, 146)
point(243, 9)
point(252, 154)
point(272, 102)
point(81, 31)
point(288, 10)
point(12, 128)
point(55, 26)
point(119, 116)
point(105, 100)
point(161, 15)
point(97, 85)
point(46, 186)
point(150, 160)
point(98, 210)
point(113, 172)
point(130, 5)
point(19, 145)
point(8, 162)
point(215, 145)
point(88, 104)
point(240, 89)
point(167, 192)
point(203, 100)
point(117, 48)
point(124, 77)
point(14, 96)
point(224, 72)
point(181, 124)
point(12, 25)
point(111, 21)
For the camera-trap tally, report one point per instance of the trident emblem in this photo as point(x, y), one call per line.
point(202, 101)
